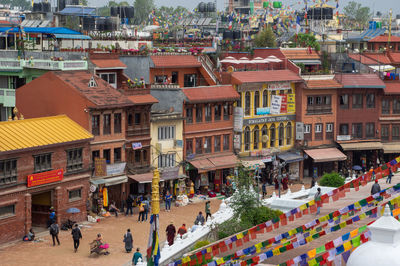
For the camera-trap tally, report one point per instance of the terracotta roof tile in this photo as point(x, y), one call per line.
point(392, 88)
point(379, 57)
point(108, 63)
point(364, 60)
point(103, 95)
point(395, 57)
point(142, 99)
point(360, 81)
point(264, 76)
point(211, 94)
point(384, 38)
point(178, 61)
point(300, 53)
point(323, 84)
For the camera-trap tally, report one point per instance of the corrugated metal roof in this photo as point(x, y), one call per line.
point(78, 10)
point(36, 132)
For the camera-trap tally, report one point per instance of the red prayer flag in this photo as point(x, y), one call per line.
point(224, 249)
point(329, 245)
point(215, 252)
point(305, 211)
point(325, 198)
point(246, 238)
point(208, 256)
point(269, 228)
point(276, 225)
point(298, 215)
point(313, 208)
point(239, 243)
point(253, 235)
point(291, 218)
point(335, 197)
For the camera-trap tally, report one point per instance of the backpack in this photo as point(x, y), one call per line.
point(53, 229)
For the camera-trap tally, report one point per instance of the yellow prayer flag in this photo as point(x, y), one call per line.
point(345, 216)
point(342, 224)
point(220, 261)
point(309, 239)
point(322, 219)
point(354, 233)
point(311, 254)
point(258, 245)
point(303, 207)
point(209, 249)
point(311, 203)
point(347, 245)
point(357, 205)
point(313, 232)
point(294, 231)
point(313, 262)
point(363, 216)
point(239, 236)
point(186, 259)
point(276, 252)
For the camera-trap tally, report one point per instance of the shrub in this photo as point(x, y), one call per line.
point(332, 179)
point(230, 227)
point(200, 244)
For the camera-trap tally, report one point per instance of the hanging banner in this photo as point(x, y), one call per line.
point(45, 178)
point(276, 102)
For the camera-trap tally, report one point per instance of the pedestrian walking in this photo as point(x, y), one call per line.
point(170, 233)
point(54, 230)
point(141, 212)
point(128, 240)
point(199, 219)
point(264, 189)
point(168, 199)
point(389, 178)
point(317, 196)
point(76, 236)
point(136, 257)
point(129, 202)
point(146, 209)
point(208, 209)
point(182, 230)
point(375, 188)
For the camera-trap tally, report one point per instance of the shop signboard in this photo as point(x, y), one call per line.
point(276, 102)
point(116, 168)
point(263, 111)
point(100, 167)
point(45, 177)
point(136, 145)
point(299, 131)
point(236, 142)
point(343, 137)
point(238, 119)
point(278, 86)
point(170, 173)
point(268, 119)
point(291, 105)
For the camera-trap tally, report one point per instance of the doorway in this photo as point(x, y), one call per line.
point(41, 204)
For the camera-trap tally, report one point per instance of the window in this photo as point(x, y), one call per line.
point(272, 136)
point(130, 120)
point(174, 79)
point(217, 143)
point(357, 101)
point(226, 111)
point(385, 106)
point(319, 104)
point(395, 132)
point(7, 211)
point(111, 78)
point(199, 146)
point(189, 146)
point(247, 104)
point(189, 80)
point(370, 130)
point(95, 154)
point(396, 106)
point(326, 100)
point(357, 131)
point(137, 118)
point(107, 155)
point(226, 143)
point(247, 139)
point(307, 128)
point(189, 115)
point(207, 145)
point(281, 136)
point(75, 194)
point(310, 100)
point(199, 114)
point(166, 160)
point(137, 156)
point(265, 98)
point(96, 125)
point(167, 132)
point(344, 101)
point(8, 172)
point(256, 101)
point(264, 132)
point(370, 100)
point(117, 123)
point(107, 124)
point(256, 137)
point(385, 132)
point(160, 79)
point(207, 111)
point(117, 155)
point(217, 112)
point(329, 131)
point(344, 129)
point(318, 131)
point(289, 133)
point(74, 159)
point(42, 162)
point(318, 100)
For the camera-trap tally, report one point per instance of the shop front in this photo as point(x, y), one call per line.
point(293, 161)
point(322, 161)
point(366, 154)
point(391, 150)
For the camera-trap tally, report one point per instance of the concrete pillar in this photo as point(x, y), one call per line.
point(301, 170)
point(57, 203)
point(336, 166)
point(28, 212)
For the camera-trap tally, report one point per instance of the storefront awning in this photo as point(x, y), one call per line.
point(326, 155)
point(360, 146)
point(290, 157)
point(110, 181)
point(253, 164)
point(391, 147)
point(142, 178)
point(227, 161)
point(203, 165)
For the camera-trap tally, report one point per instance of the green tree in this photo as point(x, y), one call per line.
point(24, 4)
point(356, 14)
point(105, 10)
point(305, 40)
point(142, 10)
point(265, 38)
point(332, 179)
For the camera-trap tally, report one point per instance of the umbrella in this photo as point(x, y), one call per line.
point(259, 60)
point(231, 61)
point(357, 168)
point(245, 60)
point(273, 58)
point(73, 210)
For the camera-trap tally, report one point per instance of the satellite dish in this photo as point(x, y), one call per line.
point(265, 138)
point(231, 69)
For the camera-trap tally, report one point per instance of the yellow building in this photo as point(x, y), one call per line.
point(267, 113)
point(166, 129)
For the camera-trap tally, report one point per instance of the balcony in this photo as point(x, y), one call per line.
point(7, 97)
point(15, 64)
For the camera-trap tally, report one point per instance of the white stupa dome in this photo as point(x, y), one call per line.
point(384, 246)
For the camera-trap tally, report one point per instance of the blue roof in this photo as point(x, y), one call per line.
point(72, 36)
point(59, 32)
point(368, 35)
point(78, 11)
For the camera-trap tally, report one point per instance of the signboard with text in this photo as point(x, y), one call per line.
point(136, 145)
point(279, 86)
point(284, 104)
point(268, 119)
point(299, 131)
point(45, 177)
point(276, 102)
point(238, 119)
point(100, 167)
point(291, 106)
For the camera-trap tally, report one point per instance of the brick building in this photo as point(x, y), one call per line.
point(208, 134)
point(44, 162)
point(109, 68)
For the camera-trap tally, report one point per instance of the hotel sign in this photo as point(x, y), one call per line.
point(269, 119)
point(45, 177)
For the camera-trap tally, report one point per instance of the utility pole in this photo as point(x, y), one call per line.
point(390, 28)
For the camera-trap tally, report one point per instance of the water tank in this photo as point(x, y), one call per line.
point(228, 34)
point(398, 16)
point(236, 34)
point(210, 7)
point(113, 11)
point(327, 13)
point(88, 23)
point(202, 7)
point(73, 2)
point(265, 4)
point(46, 7)
point(100, 24)
point(277, 4)
point(314, 13)
point(37, 7)
point(129, 12)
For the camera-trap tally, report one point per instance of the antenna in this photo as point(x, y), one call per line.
point(390, 28)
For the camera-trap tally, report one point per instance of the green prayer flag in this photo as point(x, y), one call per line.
point(282, 249)
point(331, 215)
point(362, 229)
point(321, 249)
point(319, 259)
point(265, 243)
point(319, 229)
point(315, 236)
point(363, 202)
point(283, 264)
point(356, 241)
point(299, 229)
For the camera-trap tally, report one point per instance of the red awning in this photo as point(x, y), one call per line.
point(142, 178)
point(203, 165)
point(215, 163)
point(326, 155)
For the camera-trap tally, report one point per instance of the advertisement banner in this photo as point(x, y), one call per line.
point(263, 111)
point(291, 108)
point(236, 141)
point(100, 167)
point(45, 177)
point(279, 86)
point(291, 98)
point(284, 104)
point(276, 102)
point(299, 131)
point(238, 119)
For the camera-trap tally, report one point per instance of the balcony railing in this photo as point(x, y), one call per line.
point(8, 64)
point(7, 97)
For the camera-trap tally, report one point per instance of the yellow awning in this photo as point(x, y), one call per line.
point(391, 147)
point(360, 146)
point(36, 132)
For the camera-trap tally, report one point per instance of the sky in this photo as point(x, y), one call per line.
point(375, 5)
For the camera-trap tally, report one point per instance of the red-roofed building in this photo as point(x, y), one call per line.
point(108, 67)
point(120, 123)
point(208, 134)
point(382, 41)
point(182, 70)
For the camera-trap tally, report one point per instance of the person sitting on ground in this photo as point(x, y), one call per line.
point(101, 244)
point(30, 236)
point(375, 188)
point(136, 256)
point(113, 208)
point(199, 219)
point(182, 230)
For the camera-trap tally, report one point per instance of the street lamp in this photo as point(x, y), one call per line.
point(280, 177)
